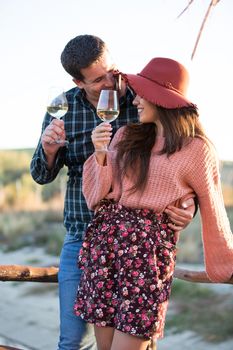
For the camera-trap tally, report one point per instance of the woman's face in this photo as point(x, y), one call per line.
point(147, 111)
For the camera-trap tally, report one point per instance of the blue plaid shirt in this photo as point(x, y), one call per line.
point(80, 120)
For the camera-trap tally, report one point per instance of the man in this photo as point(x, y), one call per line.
point(87, 59)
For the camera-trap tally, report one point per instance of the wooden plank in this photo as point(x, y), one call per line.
point(49, 274)
point(28, 273)
point(4, 347)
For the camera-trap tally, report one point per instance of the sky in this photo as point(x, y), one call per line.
point(33, 34)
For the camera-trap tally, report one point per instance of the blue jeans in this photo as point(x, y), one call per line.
point(75, 334)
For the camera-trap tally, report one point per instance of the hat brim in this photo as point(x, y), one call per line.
point(157, 94)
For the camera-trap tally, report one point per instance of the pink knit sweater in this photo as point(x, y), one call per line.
point(194, 168)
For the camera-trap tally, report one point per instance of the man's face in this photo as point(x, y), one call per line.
point(97, 77)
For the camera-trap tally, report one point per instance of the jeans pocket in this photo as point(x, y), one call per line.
point(73, 237)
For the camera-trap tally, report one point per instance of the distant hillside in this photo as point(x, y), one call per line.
point(33, 213)
point(18, 189)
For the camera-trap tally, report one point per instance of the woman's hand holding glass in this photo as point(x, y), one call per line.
point(108, 109)
point(101, 137)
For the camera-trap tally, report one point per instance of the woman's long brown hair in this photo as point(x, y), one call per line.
point(134, 150)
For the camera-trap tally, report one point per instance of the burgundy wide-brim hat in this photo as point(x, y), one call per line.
point(163, 82)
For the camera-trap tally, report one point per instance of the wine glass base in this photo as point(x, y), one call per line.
point(60, 142)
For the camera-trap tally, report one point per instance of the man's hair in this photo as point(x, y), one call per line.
point(80, 52)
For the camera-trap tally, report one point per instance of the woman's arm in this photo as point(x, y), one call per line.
point(97, 170)
point(216, 232)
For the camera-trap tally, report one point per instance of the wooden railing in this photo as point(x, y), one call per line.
point(49, 274)
point(25, 273)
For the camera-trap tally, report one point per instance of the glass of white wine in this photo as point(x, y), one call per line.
point(108, 106)
point(57, 106)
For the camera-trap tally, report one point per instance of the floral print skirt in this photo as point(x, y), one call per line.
point(128, 259)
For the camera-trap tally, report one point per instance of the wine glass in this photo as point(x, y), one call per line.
point(57, 106)
point(108, 107)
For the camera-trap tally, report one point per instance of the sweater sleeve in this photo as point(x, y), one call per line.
point(216, 232)
point(97, 179)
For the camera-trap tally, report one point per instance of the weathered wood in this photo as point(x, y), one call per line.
point(28, 273)
point(49, 274)
point(4, 347)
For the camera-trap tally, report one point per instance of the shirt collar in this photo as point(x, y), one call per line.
point(79, 93)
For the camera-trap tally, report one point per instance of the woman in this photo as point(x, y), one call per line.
point(129, 251)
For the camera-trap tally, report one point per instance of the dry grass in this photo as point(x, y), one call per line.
point(43, 228)
point(197, 308)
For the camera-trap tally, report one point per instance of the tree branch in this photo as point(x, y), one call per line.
point(185, 9)
point(212, 3)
